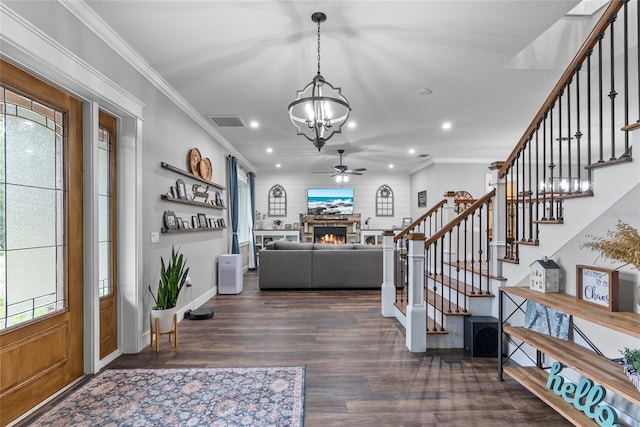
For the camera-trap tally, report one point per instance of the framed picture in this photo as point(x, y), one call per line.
point(181, 189)
point(287, 226)
point(295, 226)
point(422, 199)
point(173, 193)
point(406, 222)
point(597, 287)
point(170, 220)
point(195, 222)
point(186, 225)
point(218, 199)
point(212, 223)
point(221, 221)
point(202, 220)
point(179, 222)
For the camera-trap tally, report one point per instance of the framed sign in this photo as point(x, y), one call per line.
point(597, 286)
point(422, 199)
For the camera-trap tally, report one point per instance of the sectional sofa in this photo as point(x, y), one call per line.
point(290, 265)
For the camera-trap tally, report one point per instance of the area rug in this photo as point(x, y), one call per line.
point(266, 396)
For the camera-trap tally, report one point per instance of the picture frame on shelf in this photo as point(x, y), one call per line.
point(287, 226)
point(181, 189)
point(406, 222)
point(598, 287)
point(195, 222)
point(186, 225)
point(222, 223)
point(296, 226)
point(212, 222)
point(180, 223)
point(202, 221)
point(173, 192)
point(170, 220)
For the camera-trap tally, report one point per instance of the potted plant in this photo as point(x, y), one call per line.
point(632, 365)
point(172, 279)
point(277, 223)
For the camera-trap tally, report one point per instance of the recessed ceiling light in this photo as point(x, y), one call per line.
point(278, 165)
point(391, 166)
point(423, 91)
point(351, 125)
point(446, 125)
point(412, 151)
point(269, 150)
point(254, 124)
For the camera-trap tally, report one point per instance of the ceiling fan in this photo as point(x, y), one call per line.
point(342, 172)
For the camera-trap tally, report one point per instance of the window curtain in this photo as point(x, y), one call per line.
point(253, 256)
point(233, 203)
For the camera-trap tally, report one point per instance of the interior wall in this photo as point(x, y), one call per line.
point(365, 188)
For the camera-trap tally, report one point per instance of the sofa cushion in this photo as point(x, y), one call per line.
point(290, 246)
point(284, 269)
point(332, 246)
point(346, 269)
point(366, 246)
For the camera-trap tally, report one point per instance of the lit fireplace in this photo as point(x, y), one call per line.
point(330, 235)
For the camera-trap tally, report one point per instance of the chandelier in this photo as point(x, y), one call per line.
point(320, 110)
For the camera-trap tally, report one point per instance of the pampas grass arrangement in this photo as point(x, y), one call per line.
point(622, 245)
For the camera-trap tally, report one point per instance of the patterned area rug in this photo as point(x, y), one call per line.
point(269, 396)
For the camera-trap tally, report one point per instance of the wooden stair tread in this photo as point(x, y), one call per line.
point(459, 285)
point(621, 321)
point(431, 298)
point(535, 380)
point(526, 243)
point(548, 221)
point(610, 162)
point(600, 369)
point(509, 260)
point(473, 267)
point(439, 329)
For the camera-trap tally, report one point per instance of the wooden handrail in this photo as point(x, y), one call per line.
point(457, 220)
point(603, 23)
point(419, 220)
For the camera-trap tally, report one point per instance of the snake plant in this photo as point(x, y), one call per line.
point(172, 278)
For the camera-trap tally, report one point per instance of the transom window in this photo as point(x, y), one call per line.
point(31, 209)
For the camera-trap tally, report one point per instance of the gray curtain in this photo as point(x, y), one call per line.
point(233, 203)
point(253, 258)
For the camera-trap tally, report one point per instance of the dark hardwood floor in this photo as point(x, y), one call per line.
point(358, 370)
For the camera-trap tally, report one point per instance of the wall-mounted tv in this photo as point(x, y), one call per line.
point(325, 201)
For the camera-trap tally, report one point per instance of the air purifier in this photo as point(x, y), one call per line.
point(230, 274)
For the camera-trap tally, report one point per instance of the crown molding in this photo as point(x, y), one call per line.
point(95, 23)
point(28, 46)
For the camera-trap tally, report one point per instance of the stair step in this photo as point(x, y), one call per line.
point(527, 242)
point(432, 298)
point(459, 286)
point(549, 221)
point(509, 260)
point(439, 330)
point(611, 162)
point(475, 267)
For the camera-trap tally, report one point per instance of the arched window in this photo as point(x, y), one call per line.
point(277, 201)
point(384, 201)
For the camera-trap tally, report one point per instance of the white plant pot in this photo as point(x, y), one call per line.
point(165, 319)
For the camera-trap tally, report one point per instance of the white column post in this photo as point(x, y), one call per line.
point(388, 296)
point(498, 233)
point(416, 321)
point(449, 215)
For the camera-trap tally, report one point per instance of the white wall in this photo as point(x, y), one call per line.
point(364, 186)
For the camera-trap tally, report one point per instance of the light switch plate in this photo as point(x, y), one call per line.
point(155, 237)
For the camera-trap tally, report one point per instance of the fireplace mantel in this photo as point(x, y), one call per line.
point(351, 222)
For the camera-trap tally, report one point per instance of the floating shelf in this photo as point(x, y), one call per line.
point(190, 230)
point(167, 166)
point(190, 202)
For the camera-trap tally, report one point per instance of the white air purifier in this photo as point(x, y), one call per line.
point(230, 274)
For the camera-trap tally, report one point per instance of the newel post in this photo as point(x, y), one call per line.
point(498, 233)
point(388, 297)
point(416, 321)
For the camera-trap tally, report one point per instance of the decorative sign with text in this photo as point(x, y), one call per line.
point(585, 396)
point(597, 286)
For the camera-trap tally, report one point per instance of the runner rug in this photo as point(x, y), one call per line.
point(268, 396)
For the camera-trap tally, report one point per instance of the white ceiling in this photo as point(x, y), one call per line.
point(489, 65)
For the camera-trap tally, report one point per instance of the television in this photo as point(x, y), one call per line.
point(327, 201)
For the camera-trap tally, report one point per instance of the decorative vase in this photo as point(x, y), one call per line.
point(633, 375)
point(165, 319)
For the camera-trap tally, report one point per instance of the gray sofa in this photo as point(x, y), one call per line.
point(290, 265)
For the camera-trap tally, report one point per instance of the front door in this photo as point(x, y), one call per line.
point(107, 284)
point(41, 233)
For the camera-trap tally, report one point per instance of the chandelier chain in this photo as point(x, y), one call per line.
point(318, 47)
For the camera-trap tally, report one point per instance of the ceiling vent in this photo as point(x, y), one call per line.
point(227, 121)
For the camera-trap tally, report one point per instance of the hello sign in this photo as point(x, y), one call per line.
point(585, 397)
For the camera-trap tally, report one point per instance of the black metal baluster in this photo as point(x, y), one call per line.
point(551, 164)
point(578, 133)
point(480, 251)
point(544, 167)
point(529, 191)
point(458, 261)
point(589, 141)
point(442, 287)
point(473, 260)
point(626, 78)
point(600, 104)
point(612, 92)
point(488, 243)
point(569, 160)
point(449, 275)
point(560, 189)
point(537, 184)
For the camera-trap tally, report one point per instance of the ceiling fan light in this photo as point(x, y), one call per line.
point(339, 178)
point(345, 178)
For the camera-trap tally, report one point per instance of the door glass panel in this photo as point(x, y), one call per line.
point(104, 210)
point(31, 210)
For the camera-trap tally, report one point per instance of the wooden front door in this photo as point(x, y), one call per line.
point(106, 235)
point(41, 234)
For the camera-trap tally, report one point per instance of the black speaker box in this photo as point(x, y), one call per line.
point(481, 336)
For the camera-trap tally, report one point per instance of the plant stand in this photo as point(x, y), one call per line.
point(155, 331)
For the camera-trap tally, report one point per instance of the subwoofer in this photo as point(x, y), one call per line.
point(481, 336)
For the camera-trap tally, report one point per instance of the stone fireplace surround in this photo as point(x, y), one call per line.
point(351, 224)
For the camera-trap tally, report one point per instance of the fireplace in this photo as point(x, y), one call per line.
point(330, 234)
